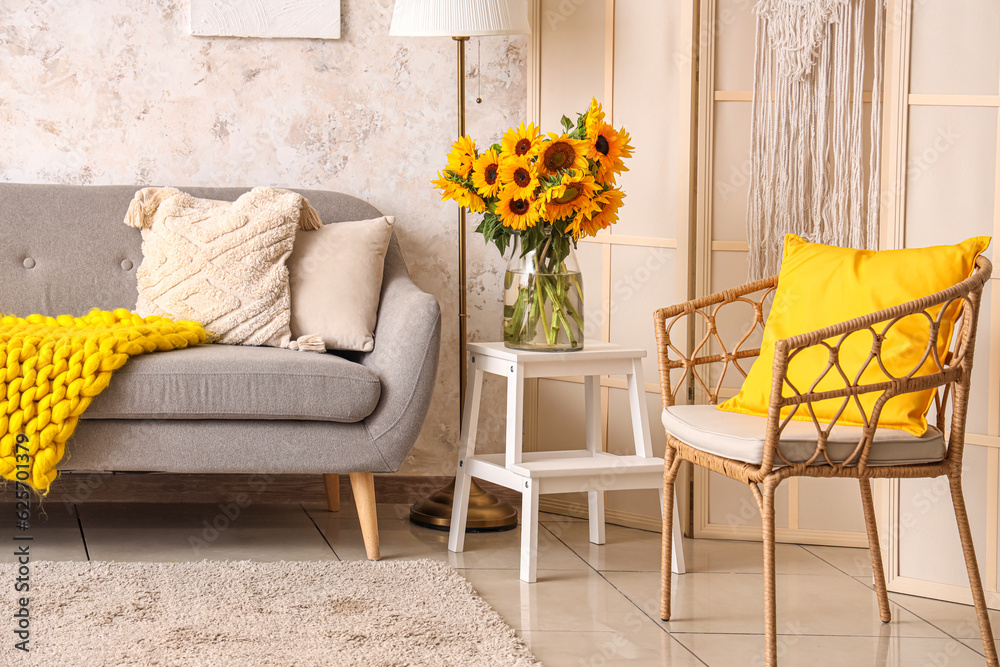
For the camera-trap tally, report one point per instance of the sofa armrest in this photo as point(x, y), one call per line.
point(405, 358)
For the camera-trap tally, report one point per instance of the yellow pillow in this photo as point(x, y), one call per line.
point(822, 285)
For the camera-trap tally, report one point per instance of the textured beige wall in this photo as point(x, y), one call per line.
point(106, 92)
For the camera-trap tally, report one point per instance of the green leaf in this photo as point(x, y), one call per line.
point(566, 123)
point(532, 239)
point(502, 241)
point(560, 249)
point(494, 232)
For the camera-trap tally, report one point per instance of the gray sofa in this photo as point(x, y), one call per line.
point(215, 408)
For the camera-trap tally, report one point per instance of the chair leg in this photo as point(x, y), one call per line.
point(670, 467)
point(332, 483)
point(770, 612)
point(875, 550)
point(975, 582)
point(363, 486)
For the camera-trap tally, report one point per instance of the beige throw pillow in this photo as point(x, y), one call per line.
point(221, 263)
point(336, 275)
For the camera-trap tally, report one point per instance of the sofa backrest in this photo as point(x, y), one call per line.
point(66, 248)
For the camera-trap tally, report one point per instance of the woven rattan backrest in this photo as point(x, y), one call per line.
point(675, 319)
point(950, 372)
point(950, 375)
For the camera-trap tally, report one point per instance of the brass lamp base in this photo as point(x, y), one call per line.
point(487, 513)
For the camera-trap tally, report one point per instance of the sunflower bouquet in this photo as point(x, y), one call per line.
point(541, 193)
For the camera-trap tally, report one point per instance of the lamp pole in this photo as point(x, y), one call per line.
point(463, 314)
point(486, 511)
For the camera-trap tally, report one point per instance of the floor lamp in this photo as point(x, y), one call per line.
point(461, 19)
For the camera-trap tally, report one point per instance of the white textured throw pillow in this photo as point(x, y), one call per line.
point(221, 263)
point(336, 275)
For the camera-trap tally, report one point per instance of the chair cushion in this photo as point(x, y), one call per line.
point(238, 382)
point(741, 437)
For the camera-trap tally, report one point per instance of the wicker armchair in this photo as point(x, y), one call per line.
point(778, 447)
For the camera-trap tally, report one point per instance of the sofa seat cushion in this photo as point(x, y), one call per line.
point(238, 382)
point(741, 437)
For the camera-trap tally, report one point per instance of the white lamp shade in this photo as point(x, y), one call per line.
point(459, 18)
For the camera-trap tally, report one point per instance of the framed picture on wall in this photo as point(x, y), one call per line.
point(315, 19)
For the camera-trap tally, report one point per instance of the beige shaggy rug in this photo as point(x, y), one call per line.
point(241, 613)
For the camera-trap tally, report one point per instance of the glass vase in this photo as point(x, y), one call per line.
point(543, 300)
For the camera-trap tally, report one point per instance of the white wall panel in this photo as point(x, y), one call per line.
point(734, 28)
point(642, 280)
point(563, 402)
point(728, 31)
point(951, 171)
point(928, 536)
point(629, 272)
point(955, 48)
point(589, 255)
point(572, 58)
point(642, 501)
point(731, 178)
point(733, 508)
point(645, 103)
point(561, 424)
point(830, 504)
point(950, 176)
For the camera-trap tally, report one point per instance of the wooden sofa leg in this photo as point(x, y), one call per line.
point(363, 485)
point(332, 492)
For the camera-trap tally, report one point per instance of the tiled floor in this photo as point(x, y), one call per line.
point(592, 605)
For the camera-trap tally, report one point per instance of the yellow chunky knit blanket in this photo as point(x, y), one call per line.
point(51, 368)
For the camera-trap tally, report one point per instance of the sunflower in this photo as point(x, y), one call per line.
point(595, 117)
point(606, 146)
point(516, 211)
point(518, 173)
point(573, 195)
point(459, 192)
point(460, 158)
point(560, 152)
point(603, 215)
point(486, 173)
point(468, 198)
point(520, 140)
point(444, 185)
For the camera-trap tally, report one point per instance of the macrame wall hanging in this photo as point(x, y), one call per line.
point(808, 163)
